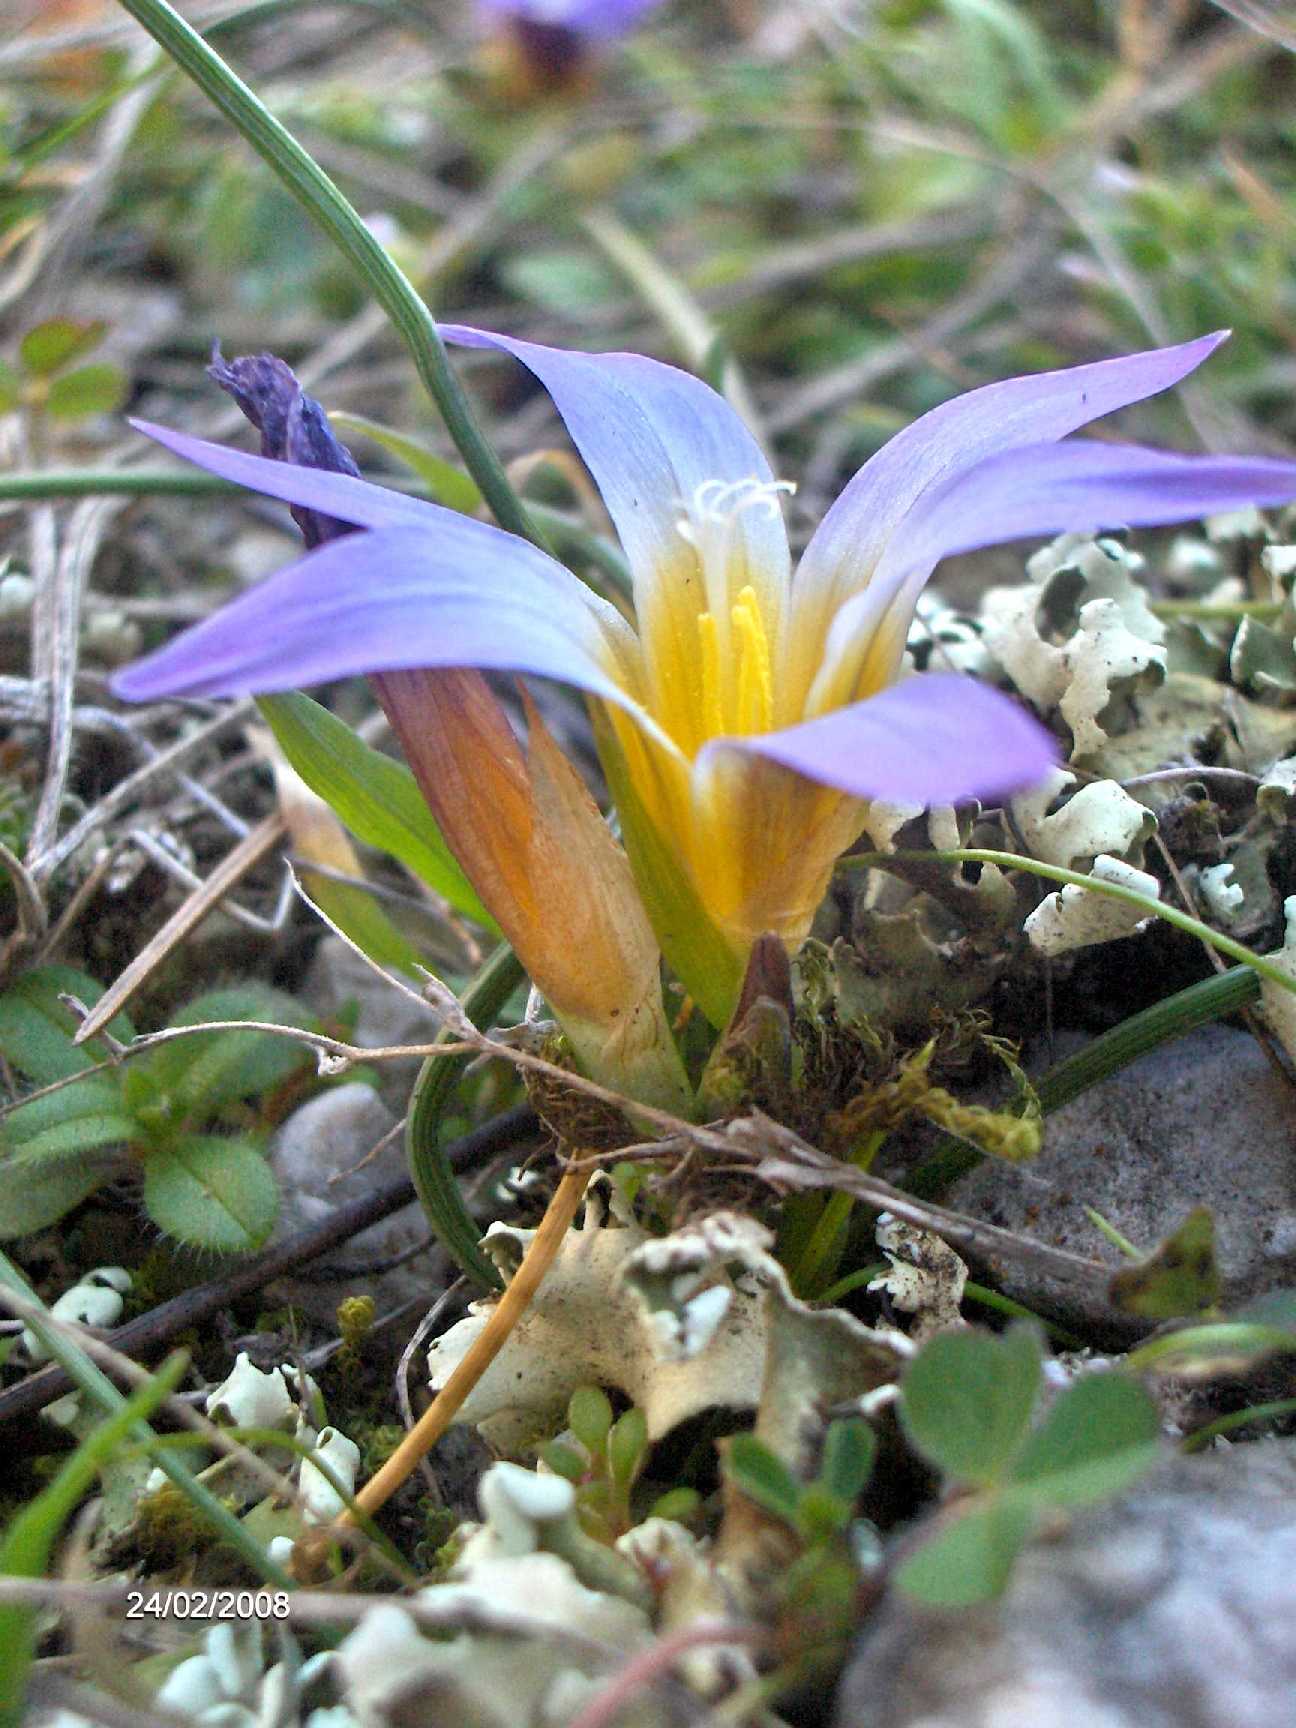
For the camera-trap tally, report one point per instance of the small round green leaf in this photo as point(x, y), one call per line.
point(1101, 1435)
point(96, 389)
point(970, 1559)
point(967, 1400)
point(46, 347)
point(589, 1416)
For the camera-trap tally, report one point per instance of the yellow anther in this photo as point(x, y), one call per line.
point(709, 653)
point(755, 680)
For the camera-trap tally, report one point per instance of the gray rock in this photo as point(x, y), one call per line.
point(1172, 1608)
point(1202, 1121)
point(321, 1156)
point(338, 976)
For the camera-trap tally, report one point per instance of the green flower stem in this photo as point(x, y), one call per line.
point(568, 538)
point(95, 1384)
point(1072, 878)
point(325, 205)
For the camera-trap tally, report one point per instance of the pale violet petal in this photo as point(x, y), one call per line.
point(931, 739)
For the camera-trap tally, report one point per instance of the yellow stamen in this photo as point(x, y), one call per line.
point(709, 652)
point(755, 681)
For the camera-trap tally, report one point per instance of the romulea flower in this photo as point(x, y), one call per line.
point(748, 715)
point(551, 40)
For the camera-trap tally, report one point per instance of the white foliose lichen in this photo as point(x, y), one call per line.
point(1075, 918)
point(1100, 818)
point(1078, 635)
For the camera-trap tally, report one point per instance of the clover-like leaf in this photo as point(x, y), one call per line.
point(971, 1557)
point(99, 388)
point(48, 347)
point(967, 1400)
point(1101, 1435)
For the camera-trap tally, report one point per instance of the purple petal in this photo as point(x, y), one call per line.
point(932, 739)
point(595, 19)
point(340, 495)
point(952, 439)
point(651, 436)
point(466, 595)
point(1041, 489)
point(1082, 485)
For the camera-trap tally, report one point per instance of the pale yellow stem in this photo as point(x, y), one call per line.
point(486, 1347)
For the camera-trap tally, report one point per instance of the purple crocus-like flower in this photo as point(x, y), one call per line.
point(748, 715)
point(592, 20)
point(552, 39)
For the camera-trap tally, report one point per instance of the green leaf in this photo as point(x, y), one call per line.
point(589, 1416)
point(78, 1119)
point(763, 1477)
point(628, 1446)
point(28, 1543)
point(375, 796)
point(99, 388)
point(37, 1195)
point(199, 1076)
point(211, 1193)
point(1179, 1277)
point(36, 1029)
point(447, 484)
point(1102, 1434)
point(47, 347)
point(970, 1559)
point(358, 915)
point(434, 1180)
point(967, 1400)
point(849, 1450)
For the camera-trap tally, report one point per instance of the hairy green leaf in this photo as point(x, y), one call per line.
point(198, 1076)
point(36, 1030)
point(37, 1194)
point(211, 1193)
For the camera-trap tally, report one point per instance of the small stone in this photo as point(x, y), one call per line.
point(321, 1156)
point(1203, 1121)
point(1174, 1607)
